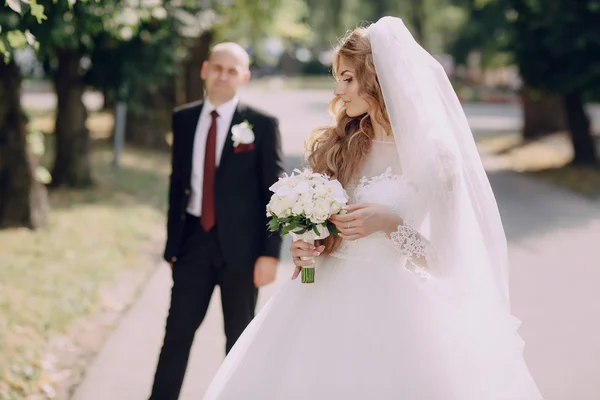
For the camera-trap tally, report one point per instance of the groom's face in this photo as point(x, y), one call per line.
point(223, 74)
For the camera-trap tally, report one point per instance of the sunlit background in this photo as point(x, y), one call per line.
point(87, 89)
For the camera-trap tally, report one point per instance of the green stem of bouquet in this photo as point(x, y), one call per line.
point(308, 275)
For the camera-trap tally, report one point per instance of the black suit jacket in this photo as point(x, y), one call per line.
point(241, 188)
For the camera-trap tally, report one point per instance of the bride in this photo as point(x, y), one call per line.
point(411, 300)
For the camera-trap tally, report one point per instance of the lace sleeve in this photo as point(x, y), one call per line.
point(412, 245)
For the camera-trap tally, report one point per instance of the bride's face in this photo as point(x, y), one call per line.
point(348, 89)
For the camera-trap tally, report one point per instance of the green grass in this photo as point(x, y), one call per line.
point(51, 277)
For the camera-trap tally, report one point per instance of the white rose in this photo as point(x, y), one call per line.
point(335, 208)
point(281, 205)
point(305, 198)
point(283, 209)
point(308, 208)
point(275, 207)
point(324, 204)
point(306, 203)
point(320, 212)
point(299, 208)
point(286, 205)
point(319, 218)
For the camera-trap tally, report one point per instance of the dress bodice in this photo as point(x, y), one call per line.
point(388, 188)
point(381, 182)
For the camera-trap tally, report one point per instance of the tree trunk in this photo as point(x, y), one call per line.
point(72, 161)
point(584, 146)
point(108, 101)
point(23, 200)
point(198, 54)
point(149, 122)
point(543, 113)
point(289, 65)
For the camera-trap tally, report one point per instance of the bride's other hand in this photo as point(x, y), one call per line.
point(299, 249)
point(363, 219)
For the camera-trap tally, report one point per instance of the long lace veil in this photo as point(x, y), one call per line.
point(437, 151)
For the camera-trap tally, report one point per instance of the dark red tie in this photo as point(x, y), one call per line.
point(207, 216)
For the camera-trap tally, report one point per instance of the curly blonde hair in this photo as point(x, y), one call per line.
point(339, 150)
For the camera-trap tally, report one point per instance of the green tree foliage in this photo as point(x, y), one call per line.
point(12, 35)
point(137, 52)
point(486, 29)
point(109, 44)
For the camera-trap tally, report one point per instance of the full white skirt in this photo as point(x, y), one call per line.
point(370, 329)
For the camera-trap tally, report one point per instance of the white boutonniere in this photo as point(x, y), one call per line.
point(242, 134)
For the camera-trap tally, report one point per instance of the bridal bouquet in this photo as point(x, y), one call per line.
point(301, 205)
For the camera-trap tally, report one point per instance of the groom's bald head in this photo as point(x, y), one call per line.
point(225, 71)
point(234, 50)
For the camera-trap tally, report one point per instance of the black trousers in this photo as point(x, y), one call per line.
point(200, 266)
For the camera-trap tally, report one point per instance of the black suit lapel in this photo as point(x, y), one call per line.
point(238, 117)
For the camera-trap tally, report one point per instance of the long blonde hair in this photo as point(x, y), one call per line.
point(339, 150)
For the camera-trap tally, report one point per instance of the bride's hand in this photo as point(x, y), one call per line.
point(303, 249)
point(363, 219)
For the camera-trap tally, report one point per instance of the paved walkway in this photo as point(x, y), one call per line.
point(555, 271)
point(124, 369)
point(554, 251)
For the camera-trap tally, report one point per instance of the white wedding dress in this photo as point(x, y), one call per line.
point(369, 328)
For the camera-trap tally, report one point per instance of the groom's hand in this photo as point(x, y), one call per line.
point(265, 270)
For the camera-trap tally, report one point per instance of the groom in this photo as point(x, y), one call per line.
point(225, 157)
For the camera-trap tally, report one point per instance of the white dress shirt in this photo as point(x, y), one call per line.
point(226, 112)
